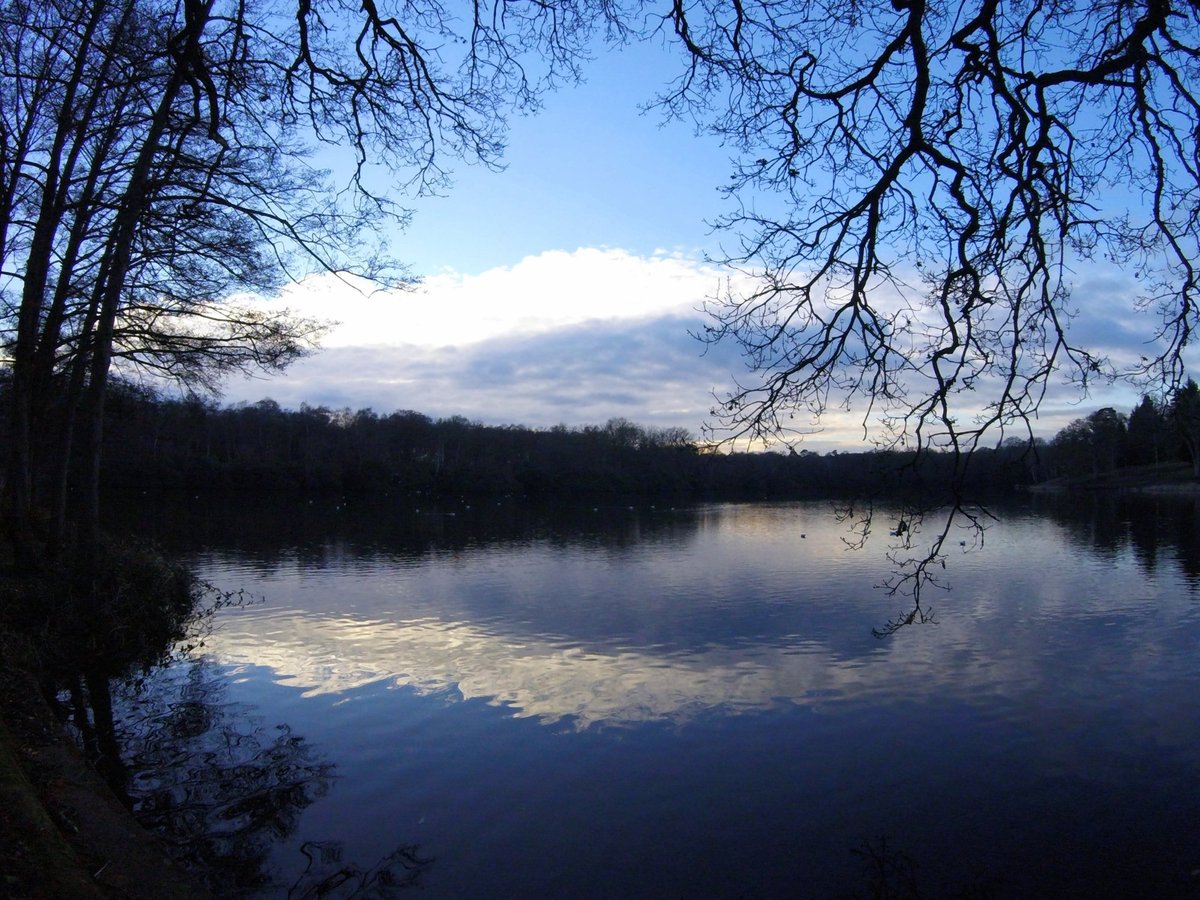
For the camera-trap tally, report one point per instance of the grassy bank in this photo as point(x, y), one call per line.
point(1167, 478)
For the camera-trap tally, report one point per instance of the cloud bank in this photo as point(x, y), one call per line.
point(559, 338)
point(580, 337)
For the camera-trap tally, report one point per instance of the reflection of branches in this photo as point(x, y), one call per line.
point(218, 788)
point(917, 559)
point(326, 876)
point(891, 874)
point(215, 784)
point(222, 790)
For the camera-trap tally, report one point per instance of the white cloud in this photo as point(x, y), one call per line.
point(574, 338)
point(580, 337)
point(649, 370)
point(555, 289)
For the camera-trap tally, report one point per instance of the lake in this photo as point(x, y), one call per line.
point(484, 697)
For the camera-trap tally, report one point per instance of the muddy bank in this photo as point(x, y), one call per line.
point(63, 833)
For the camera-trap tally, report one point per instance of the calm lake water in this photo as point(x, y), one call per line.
point(484, 698)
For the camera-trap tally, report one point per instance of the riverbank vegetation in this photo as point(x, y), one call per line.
point(195, 445)
point(199, 446)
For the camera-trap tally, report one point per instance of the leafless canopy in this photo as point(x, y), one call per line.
point(921, 183)
point(157, 160)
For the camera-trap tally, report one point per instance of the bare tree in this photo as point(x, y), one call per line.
point(920, 184)
point(917, 187)
point(155, 162)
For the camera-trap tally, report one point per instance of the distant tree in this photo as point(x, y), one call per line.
point(624, 434)
point(674, 436)
point(1147, 433)
point(1093, 445)
point(1108, 429)
point(1185, 417)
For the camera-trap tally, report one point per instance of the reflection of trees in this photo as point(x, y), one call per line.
point(923, 527)
point(96, 731)
point(327, 876)
point(219, 787)
point(276, 529)
point(222, 789)
point(891, 874)
point(1154, 527)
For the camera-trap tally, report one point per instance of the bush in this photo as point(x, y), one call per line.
point(126, 615)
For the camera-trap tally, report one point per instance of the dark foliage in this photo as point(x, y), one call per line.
point(196, 446)
point(1155, 435)
point(125, 618)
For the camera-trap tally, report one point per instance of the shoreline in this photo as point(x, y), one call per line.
point(1176, 479)
point(63, 832)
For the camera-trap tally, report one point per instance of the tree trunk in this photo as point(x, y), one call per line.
point(134, 203)
point(27, 405)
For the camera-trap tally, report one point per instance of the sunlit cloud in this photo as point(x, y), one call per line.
point(552, 290)
point(580, 337)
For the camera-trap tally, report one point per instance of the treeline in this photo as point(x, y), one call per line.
point(197, 445)
point(157, 442)
point(1154, 433)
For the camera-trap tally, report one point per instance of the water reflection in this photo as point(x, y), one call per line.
point(691, 702)
point(326, 875)
point(279, 529)
point(732, 612)
point(542, 678)
point(1158, 528)
point(222, 788)
point(344, 533)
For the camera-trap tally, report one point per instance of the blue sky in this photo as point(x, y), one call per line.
point(563, 289)
point(589, 170)
point(566, 288)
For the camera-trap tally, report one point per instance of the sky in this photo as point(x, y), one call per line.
point(567, 289)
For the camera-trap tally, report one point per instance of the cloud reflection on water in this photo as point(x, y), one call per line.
point(734, 615)
point(544, 678)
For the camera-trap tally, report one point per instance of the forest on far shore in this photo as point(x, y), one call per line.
point(157, 442)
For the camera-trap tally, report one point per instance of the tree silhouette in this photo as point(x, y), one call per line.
point(154, 164)
point(1185, 416)
point(1147, 436)
point(920, 181)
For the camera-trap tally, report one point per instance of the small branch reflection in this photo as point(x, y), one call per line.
point(326, 876)
point(219, 788)
point(917, 555)
point(891, 874)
